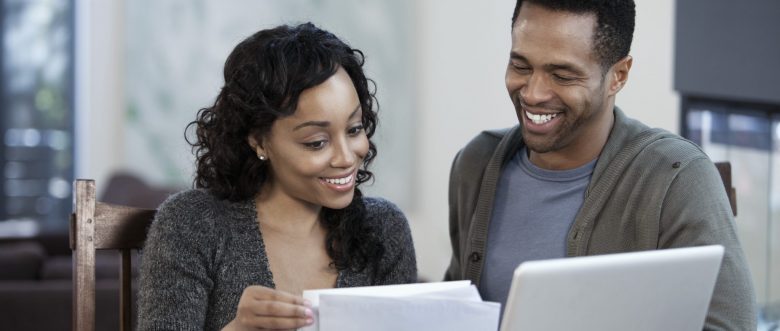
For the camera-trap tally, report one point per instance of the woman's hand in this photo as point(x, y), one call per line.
point(263, 308)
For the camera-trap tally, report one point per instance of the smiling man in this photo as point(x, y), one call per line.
point(578, 177)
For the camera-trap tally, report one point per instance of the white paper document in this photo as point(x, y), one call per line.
point(451, 306)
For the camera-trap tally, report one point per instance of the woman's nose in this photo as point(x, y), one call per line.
point(343, 155)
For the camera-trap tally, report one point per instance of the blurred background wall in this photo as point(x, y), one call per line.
point(438, 65)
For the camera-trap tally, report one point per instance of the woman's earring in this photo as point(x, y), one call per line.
point(261, 157)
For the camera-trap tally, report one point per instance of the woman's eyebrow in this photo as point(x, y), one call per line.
point(323, 124)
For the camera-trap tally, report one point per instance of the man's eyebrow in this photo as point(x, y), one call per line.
point(323, 124)
point(551, 66)
point(563, 66)
point(516, 56)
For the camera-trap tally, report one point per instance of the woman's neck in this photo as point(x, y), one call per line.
point(283, 214)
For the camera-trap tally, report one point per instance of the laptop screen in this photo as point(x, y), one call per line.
point(651, 290)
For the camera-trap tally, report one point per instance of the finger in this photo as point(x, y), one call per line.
point(279, 323)
point(280, 309)
point(264, 293)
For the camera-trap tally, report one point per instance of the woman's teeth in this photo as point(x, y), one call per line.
point(339, 181)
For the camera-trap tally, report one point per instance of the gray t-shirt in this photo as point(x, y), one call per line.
point(532, 213)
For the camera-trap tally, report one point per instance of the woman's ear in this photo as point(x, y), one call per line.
point(257, 146)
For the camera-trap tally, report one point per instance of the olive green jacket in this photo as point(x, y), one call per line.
point(650, 189)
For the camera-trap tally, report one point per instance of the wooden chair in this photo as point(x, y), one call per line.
point(724, 168)
point(95, 225)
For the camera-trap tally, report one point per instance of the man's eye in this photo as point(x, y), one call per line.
point(521, 68)
point(564, 79)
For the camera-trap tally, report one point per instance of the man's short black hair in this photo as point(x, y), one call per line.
point(614, 24)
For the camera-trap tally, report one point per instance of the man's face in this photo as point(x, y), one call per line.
point(556, 81)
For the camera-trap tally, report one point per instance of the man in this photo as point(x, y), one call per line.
point(576, 176)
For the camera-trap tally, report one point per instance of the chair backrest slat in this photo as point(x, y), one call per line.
point(97, 225)
point(724, 169)
point(83, 256)
point(125, 291)
point(120, 227)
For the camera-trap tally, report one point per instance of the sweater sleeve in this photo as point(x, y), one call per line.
point(174, 282)
point(399, 264)
point(697, 212)
point(453, 272)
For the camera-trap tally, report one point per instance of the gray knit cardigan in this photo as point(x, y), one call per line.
point(201, 252)
point(650, 190)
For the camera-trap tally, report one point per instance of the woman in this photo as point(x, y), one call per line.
point(276, 209)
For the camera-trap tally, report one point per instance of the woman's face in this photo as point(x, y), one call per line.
point(315, 153)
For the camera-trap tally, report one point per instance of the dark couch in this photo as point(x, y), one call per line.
point(36, 283)
point(36, 273)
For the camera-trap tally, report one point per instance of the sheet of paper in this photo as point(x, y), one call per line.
point(358, 313)
point(459, 292)
point(387, 290)
point(469, 293)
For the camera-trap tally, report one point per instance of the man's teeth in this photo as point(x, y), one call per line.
point(339, 181)
point(540, 119)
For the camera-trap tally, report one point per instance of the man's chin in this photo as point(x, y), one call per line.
point(540, 149)
point(539, 146)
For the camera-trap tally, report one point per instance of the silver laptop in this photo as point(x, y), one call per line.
point(652, 290)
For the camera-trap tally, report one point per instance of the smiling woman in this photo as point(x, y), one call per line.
point(318, 150)
point(276, 209)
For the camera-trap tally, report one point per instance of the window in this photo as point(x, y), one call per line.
point(36, 124)
point(747, 135)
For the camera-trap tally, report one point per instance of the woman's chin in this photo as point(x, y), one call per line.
point(339, 203)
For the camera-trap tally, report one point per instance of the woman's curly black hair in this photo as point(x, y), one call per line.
point(264, 78)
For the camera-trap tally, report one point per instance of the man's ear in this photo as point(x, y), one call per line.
point(619, 74)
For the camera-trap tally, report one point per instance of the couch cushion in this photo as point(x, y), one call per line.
point(21, 260)
point(46, 305)
point(57, 267)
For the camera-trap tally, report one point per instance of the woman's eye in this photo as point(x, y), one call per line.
point(355, 130)
point(315, 144)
